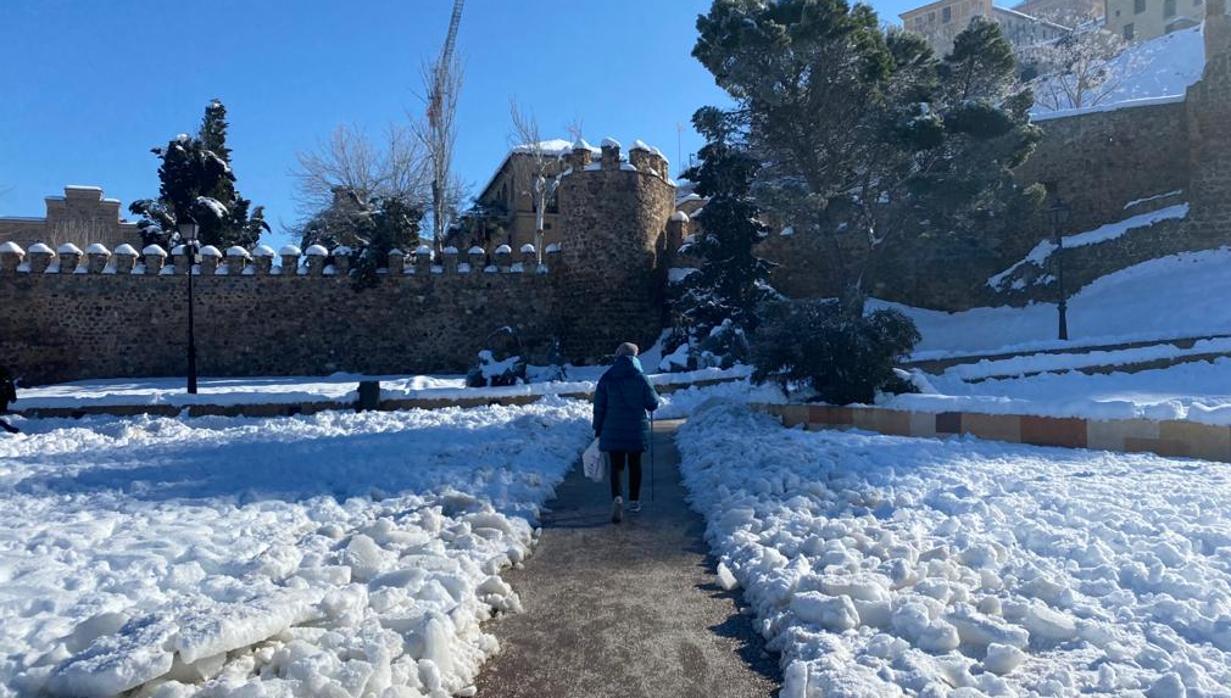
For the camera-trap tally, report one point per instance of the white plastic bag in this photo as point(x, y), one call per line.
point(593, 463)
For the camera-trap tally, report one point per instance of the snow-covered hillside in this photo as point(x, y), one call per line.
point(1157, 70)
point(328, 555)
point(1181, 295)
point(887, 566)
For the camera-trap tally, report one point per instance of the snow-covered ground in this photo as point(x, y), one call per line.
point(883, 566)
point(1178, 296)
point(1149, 72)
point(329, 555)
point(339, 388)
point(1199, 392)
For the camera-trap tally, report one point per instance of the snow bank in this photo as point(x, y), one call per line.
point(880, 565)
point(1151, 72)
point(1177, 296)
point(337, 554)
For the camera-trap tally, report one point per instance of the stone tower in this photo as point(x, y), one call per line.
point(614, 217)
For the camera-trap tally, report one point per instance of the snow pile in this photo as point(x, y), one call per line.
point(1042, 251)
point(1169, 297)
point(880, 565)
point(1150, 72)
point(338, 554)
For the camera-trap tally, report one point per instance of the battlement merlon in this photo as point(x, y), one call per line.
point(642, 158)
point(316, 261)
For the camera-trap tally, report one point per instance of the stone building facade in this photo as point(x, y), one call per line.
point(68, 313)
point(81, 215)
point(941, 21)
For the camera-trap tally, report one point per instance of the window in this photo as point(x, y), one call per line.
point(1129, 32)
point(1139, 6)
point(946, 15)
point(1168, 9)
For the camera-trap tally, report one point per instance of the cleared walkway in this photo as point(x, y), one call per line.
point(625, 611)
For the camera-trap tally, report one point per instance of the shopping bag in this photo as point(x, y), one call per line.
point(593, 463)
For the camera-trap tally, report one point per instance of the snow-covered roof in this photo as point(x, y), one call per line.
point(210, 251)
point(98, 248)
point(11, 247)
point(680, 216)
point(504, 249)
point(264, 251)
point(527, 248)
point(553, 146)
point(477, 250)
point(627, 167)
point(290, 251)
point(69, 248)
point(237, 251)
point(154, 250)
point(316, 251)
point(40, 248)
point(610, 142)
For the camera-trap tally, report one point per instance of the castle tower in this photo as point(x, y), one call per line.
point(614, 221)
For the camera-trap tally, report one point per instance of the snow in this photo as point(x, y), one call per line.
point(83, 187)
point(581, 144)
point(504, 249)
point(126, 250)
point(154, 250)
point(679, 216)
point(316, 251)
point(69, 248)
point(881, 565)
point(210, 251)
point(449, 250)
point(237, 251)
point(1169, 297)
point(215, 207)
point(1042, 251)
point(264, 251)
point(423, 250)
point(98, 248)
point(641, 145)
point(676, 275)
point(610, 143)
point(527, 248)
point(11, 247)
point(1157, 71)
point(335, 555)
point(289, 251)
point(552, 248)
point(1195, 391)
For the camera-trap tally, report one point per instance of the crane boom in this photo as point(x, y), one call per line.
point(442, 63)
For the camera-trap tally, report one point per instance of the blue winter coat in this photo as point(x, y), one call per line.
point(620, 403)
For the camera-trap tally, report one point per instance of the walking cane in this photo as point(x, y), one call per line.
point(651, 455)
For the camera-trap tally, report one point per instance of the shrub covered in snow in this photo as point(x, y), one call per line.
point(843, 359)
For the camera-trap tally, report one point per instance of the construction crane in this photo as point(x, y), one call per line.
point(441, 138)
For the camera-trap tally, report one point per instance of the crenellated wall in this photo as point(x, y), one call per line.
point(68, 313)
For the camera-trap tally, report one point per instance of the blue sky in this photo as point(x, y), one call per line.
point(88, 87)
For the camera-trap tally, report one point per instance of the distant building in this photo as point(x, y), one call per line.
point(81, 215)
point(1063, 11)
point(941, 22)
point(1141, 20)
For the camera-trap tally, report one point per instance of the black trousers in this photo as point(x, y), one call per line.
point(618, 461)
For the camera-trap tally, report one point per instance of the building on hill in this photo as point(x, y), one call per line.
point(1141, 20)
point(940, 22)
point(82, 214)
point(1063, 11)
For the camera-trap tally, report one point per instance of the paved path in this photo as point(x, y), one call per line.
point(626, 611)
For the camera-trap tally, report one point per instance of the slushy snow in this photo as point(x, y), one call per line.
point(882, 566)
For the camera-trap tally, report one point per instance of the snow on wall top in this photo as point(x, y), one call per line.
point(68, 248)
point(610, 142)
point(680, 216)
point(1153, 72)
point(289, 251)
point(154, 250)
point(11, 247)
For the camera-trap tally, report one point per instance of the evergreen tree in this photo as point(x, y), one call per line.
point(715, 307)
point(196, 176)
point(383, 225)
point(862, 134)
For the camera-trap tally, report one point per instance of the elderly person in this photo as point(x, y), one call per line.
point(621, 400)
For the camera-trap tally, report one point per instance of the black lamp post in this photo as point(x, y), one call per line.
point(188, 235)
point(1059, 215)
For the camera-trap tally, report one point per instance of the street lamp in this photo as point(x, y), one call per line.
point(1059, 215)
point(188, 236)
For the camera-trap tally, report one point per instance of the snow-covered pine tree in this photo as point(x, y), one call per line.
point(383, 224)
point(715, 307)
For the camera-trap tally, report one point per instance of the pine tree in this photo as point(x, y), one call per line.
point(863, 136)
point(716, 306)
point(197, 183)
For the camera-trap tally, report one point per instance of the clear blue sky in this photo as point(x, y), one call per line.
point(88, 87)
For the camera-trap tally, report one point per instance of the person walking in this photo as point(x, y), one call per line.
point(621, 400)
point(8, 395)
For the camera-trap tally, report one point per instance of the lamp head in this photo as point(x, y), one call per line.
point(188, 231)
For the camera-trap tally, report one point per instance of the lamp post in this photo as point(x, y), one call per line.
point(188, 234)
point(1059, 215)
